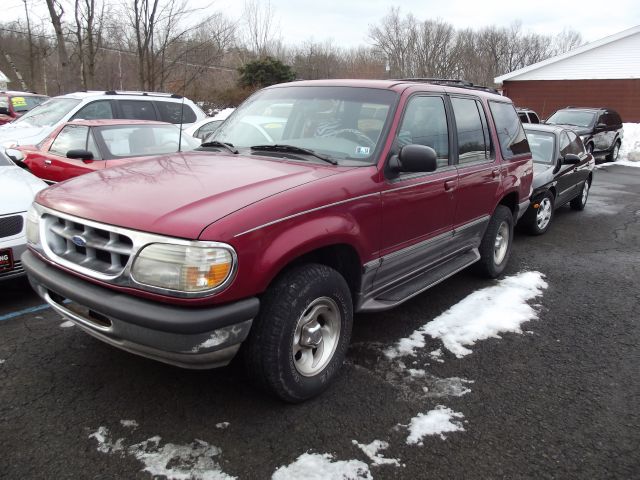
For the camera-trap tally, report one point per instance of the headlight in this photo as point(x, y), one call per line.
point(185, 268)
point(33, 226)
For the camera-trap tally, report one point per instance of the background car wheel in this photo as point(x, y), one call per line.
point(539, 219)
point(613, 156)
point(589, 147)
point(300, 338)
point(580, 201)
point(495, 247)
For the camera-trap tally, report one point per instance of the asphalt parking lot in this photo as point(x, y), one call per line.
point(559, 400)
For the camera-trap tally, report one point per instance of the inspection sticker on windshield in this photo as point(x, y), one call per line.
point(362, 150)
point(18, 101)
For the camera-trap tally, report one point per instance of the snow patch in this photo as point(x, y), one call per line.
point(215, 339)
point(129, 424)
point(436, 355)
point(173, 462)
point(435, 422)
point(629, 155)
point(222, 425)
point(2, 360)
point(371, 450)
point(483, 314)
point(314, 466)
point(67, 324)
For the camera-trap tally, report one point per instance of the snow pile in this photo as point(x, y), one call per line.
point(222, 425)
point(630, 148)
point(481, 315)
point(435, 422)
point(170, 461)
point(371, 450)
point(313, 466)
point(2, 360)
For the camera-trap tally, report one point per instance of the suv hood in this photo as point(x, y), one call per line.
point(22, 134)
point(180, 194)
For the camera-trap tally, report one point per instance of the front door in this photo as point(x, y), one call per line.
point(417, 208)
point(72, 137)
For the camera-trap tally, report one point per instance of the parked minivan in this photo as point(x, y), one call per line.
point(37, 124)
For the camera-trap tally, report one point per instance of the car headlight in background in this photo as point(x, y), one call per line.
point(184, 268)
point(33, 226)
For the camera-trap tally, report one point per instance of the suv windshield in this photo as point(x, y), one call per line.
point(542, 148)
point(572, 117)
point(341, 123)
point(48, 113)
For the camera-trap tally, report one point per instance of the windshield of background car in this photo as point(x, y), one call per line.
point(48, 113)
point(568, 117)
point(542, 146)
point(121, 141)
point(24, 104)
point(4, 161)
point(343, 123)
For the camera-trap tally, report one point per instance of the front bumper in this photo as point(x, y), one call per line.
point(196, 338)
point(17, 248)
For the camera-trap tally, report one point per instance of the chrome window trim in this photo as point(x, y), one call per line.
point(140, 240)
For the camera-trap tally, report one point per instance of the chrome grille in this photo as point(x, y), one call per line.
point(11, 225)
point(94, 248)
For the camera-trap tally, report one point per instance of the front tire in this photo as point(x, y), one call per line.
point(495, 247)
point(539, 219)
point(613, 156)
point(300, 338)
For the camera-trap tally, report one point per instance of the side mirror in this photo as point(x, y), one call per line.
point(414, 158)
point(80, 154)
point(571, 159)
point(4, 110)
point(15, 155)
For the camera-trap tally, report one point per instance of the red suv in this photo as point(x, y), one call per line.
point(15, 104)
point(356, 197)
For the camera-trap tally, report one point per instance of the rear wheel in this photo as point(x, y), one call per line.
point(495, 247)
point(580, 201)
point(299, 340)
point(613, 156)
point(538, 219)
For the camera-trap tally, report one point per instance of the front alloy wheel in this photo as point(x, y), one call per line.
point(495, 247)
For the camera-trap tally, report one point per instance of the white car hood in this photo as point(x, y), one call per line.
point(22, 134)
point(17, 189)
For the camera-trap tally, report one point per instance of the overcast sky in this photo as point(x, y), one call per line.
point(346, 22)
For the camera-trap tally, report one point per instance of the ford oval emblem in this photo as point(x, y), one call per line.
point(79, 240)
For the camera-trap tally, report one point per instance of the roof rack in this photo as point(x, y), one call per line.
point(452, 82)
point(144, 94)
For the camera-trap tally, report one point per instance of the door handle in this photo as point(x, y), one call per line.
point(495, 173)
point(47, 162)
point(449, 185)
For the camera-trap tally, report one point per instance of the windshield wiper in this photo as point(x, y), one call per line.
point(293, 149)
point(216, 143)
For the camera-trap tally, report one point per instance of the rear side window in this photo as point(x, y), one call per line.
point(170, 112)
point(533, 118)
point(472, 143)
point(95, 111)
point(511, 135)
point(137, 110)
point(575, 144)
point(616, 118)
point(71, 137)
point(523, 117)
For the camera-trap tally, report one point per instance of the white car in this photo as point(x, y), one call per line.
point(38, 123)
point(202, 129)
point(17, 189)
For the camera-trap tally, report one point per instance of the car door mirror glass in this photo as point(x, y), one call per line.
point(571, 159)
point(415, 158)
point(78, 154)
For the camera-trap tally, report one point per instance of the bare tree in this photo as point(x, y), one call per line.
point(68, 79)
point(89, 21)
point(260, 28)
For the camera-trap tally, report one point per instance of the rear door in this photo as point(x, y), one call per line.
point(417, 208)
point(567, 177)
point(479, 172)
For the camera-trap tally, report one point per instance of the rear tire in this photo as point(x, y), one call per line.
point(613, 156)
point(495, 247)
point(538, 220)
point(300, 338)
point(579, 202)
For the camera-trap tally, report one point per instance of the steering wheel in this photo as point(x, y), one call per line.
point(355, 136)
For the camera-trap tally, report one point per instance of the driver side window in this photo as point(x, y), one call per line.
point(71, 137)
point(565, 144)
point(425, 123)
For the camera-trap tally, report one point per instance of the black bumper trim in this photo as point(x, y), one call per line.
point(145, 313)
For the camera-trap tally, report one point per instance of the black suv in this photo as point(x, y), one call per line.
point(599, 128)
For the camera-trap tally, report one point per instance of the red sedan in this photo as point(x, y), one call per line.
point(82, 146)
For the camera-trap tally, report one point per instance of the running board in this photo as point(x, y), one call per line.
point(400, 293)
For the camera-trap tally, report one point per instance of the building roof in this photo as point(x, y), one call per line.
point(613, 57)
